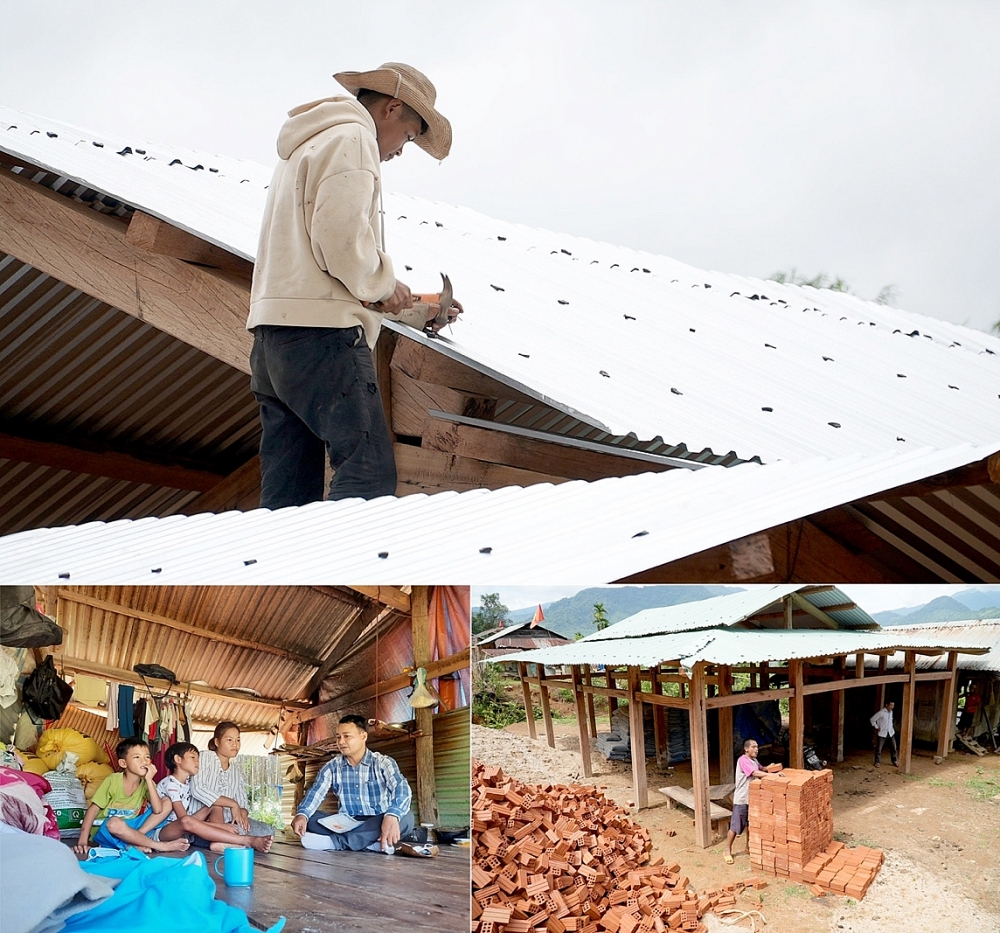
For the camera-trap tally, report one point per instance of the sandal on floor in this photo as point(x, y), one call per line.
point(728, 859)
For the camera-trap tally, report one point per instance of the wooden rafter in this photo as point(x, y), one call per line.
point(153, 235)
point(365, 616)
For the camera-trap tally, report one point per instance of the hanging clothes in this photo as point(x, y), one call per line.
point(126, 710)
point(89, 691)
point(112, 705)
point(138, 718)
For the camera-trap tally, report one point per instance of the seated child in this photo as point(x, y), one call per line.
point(131, 807)
point(182, 760)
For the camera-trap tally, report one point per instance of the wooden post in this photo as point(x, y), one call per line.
point(906, 727)
point(789, 610)
point(880, 690)
point(543, 690)
point(765, 676)
point(424, 745)
point(659, 718)
point(699, 758)
point(591, 715)
point(581, 720)
point(947, 725)
point(637, 738)
point(529, 711)
point(727, 766)
point(612, 701)
point(796, 717)
point(859, 665)
point(838, 703)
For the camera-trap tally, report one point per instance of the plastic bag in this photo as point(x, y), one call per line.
point(45, 691)
point(21, 624)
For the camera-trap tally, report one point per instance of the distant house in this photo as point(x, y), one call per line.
point(520, 637)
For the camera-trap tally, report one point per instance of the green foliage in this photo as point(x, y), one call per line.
point(491, 705)
point(886, 296)
point(600, 617)
point(490, 614)
point(984, 787)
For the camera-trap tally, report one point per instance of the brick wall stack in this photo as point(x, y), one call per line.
point(565, 859)
point(791, 820)
point(791, 835)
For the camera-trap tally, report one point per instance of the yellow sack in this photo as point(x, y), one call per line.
point(54, 744)
point(91, 775)
point(35, 765)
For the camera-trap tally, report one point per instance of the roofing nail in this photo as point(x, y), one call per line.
point(640, 534)
point(383, 554)
point(64, 576)
point(560, 300)
point(676, 391)
point(486, 550)
point(156, 570)
point(834, 424)
point(604, 374)
point(628, 317)
point(247, 563)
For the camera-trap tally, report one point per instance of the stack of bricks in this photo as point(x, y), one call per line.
point(791, 820)
point(791, 835)
point(843, 871)
point(564, 859)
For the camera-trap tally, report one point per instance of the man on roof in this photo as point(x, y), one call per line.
point(322, 284)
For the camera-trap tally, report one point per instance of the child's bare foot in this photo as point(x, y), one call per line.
point(175, 845)
point(260, 843)
point(145, 849)
point(222, 846)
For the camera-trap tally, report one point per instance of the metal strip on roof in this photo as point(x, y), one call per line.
point(540, 534)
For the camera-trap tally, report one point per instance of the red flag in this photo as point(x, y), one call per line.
point(539, 616)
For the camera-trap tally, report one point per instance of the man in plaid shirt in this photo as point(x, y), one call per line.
point(370, 789)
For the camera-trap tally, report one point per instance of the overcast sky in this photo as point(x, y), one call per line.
point(870, 597)
point(858, 139)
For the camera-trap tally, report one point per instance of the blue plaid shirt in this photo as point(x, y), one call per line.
point(375, 787)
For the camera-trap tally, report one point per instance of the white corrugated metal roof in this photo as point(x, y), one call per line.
point(539, 534)
point(729, 609)
point(981, 631)
point(728, 646)
point(625, 340)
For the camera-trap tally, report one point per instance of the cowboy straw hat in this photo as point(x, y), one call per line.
point(412, 87)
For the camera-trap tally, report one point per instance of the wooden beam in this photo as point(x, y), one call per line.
point(382, 358)
point(591, 713)
point(880, 693)
point(828, 686)
point(543, 692)
point(859, 665)
point(906, 726)
point(239, 491)
point(203, 308)
point(789, 607)
point(612, 698)
point(949, 696)
point(660, 734)
point(838, 713)
point(102, 461)
point(153, 235)
point(529, 707)
point(796, 715)
point(82, 666)
point(364, 616)
point(727, 765)
point(76, 597)
point(753, 696)
point(420, 470)
point(391, 596)
point(413, 399)
point(700, 778)
point(814, 611)
point(979, 473)
point(637, 738)
point(426, 785)
point(400, 682)
point(550, 455)
point(581, 721)
point(426, 365)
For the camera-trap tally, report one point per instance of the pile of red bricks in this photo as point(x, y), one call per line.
point(791, 819)
point(843, 871)
point(791, 835)
point(557, 858)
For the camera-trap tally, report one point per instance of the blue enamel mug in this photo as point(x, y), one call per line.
point(238, 869)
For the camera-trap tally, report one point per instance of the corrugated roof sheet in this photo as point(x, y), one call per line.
point(726, 646)
point(982, 631)
point(540, 534)
point(624, 340)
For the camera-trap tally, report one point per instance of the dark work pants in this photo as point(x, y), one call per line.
point(361, 836)
point(880, 742)
point(317, 392)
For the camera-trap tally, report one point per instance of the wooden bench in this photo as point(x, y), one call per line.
point(685, 797)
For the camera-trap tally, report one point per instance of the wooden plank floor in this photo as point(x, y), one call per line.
point(355, 892)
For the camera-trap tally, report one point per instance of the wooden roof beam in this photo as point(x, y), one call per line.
point(203, 308)
point(800, 602)
point(392, 596)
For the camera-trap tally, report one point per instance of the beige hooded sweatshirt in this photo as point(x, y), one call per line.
point(320, 252)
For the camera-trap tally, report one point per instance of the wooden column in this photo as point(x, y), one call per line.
point(789, 610)
point(765, 676)
point(699, 758)
point(880, 691)
point(838, 702)
point(637, 738)
point(543, 691)
point(659, 717)
point(859, 665)
point(727, 765)
point(612, 701)
point(424, 743)
point(796, 715)
point(591, 715)
point(906, 727)
point(529, 712)
point(946, 727)
point(581, 720)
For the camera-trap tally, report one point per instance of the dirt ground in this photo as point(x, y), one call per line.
point(939, 828)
